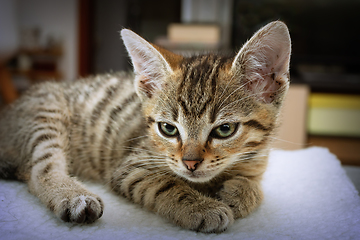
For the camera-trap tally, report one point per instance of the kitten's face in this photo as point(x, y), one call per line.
point(197, 121)
point(210, 114)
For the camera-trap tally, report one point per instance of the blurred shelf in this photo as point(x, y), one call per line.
point(337, 83)
point(54, 52)
point(345, 148)
point(36, 65)
point(7, 90)
point(38, 75)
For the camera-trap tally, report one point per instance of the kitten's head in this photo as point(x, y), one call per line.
point(210, 114)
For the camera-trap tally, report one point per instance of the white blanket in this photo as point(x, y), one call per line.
point(307, 196)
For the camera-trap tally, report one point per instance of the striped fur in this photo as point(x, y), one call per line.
point(105, 129)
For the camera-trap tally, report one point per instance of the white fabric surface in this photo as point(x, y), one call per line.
point(307, 196)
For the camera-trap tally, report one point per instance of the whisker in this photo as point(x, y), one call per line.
point(290, 142)
point(237, 89)
point(136, 138)
point(227, 85)
point(254, 94)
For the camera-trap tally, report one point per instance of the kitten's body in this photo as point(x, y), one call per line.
point(189, 142)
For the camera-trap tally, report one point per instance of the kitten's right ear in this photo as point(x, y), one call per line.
point(149, 64)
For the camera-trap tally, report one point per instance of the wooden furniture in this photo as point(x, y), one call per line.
point(293, 133)
point(8, 91)
point(42, 66)
point(345, 148)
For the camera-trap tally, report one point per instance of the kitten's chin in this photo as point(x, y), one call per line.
point(197, 176)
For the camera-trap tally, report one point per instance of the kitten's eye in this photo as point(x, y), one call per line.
point(168, 129)
point(225, 130)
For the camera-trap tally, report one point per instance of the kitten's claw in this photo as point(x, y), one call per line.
point(81, 209)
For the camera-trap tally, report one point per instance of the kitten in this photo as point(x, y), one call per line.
point(190, 141)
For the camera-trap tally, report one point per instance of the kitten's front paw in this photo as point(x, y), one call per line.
point(80, 209)
point(207, 217)
point(241, 195)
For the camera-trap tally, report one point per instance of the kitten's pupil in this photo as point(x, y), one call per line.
point(224, 128)
point(168, 129)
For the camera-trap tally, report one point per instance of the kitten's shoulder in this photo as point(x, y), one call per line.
point(102, 79)
point(70, 90)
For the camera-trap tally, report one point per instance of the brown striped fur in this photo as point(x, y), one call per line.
point(105, 129)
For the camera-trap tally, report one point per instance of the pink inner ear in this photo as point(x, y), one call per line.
point(265, 87)
point(146, 86)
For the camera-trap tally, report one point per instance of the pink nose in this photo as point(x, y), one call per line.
point(191, 165)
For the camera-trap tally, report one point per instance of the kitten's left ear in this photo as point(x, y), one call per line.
point(150, 66)
point(263, 62)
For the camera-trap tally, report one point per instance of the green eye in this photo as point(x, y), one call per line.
point(168, 129)
point(224, 131)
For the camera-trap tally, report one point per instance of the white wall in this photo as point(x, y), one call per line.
point(58, 18)
point(9, 39)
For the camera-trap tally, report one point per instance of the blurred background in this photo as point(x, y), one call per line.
point(63, 40)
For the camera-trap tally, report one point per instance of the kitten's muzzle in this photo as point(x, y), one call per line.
point(192, 165)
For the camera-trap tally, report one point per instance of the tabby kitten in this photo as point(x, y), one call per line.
point(190, 141)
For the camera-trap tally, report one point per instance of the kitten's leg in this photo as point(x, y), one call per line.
point(173, 199)
point(242, 194)
point(49, 179)
point(62, 194)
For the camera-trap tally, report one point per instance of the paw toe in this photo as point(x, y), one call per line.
point(93, 210)
point(65, 212)
point(212, 218)
point(216, 221)
point(81, 209)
